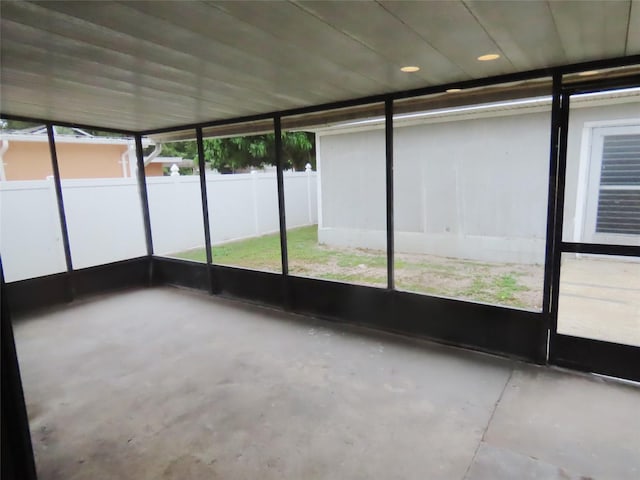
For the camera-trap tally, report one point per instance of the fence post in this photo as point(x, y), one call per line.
point(254, 190)
point(307, 169)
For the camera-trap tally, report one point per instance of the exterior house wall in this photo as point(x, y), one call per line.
point(154, 170)
point(31, 160)
point(27, 161)
point(581, 121)
point(473, 188)
point(351, 198)
point(81, 160)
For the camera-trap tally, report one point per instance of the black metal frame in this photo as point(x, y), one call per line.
point(570, 351)
point(501, 330)
point(60, 199)
point(282, 217)
point(142, 189)
point(388, 143)
point(555, 190)
point(17, 451)
point(552, 192)
point(416, 92)
point(205, 205)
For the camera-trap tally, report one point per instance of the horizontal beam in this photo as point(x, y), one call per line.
point(474, 83)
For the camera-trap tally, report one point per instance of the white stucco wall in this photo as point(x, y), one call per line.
point(351, 172)
point(471, 188)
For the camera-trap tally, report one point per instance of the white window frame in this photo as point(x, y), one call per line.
point(589, 181)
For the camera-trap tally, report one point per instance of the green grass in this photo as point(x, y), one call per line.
point(507, 288)
point(264, 252)
point(307, 257)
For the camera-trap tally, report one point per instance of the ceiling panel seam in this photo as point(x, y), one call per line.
point(345, 88)
point(186, 57)
point(167, 90)
point(217, 44)
point(353, 37)
point(504, 55)
point(555, 25)
point(409, 27)
point(626, 38)
point(240, 94)
point(384, 85)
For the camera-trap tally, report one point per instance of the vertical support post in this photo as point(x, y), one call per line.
point(388, 138)
point(308, 171)
point(281, 208)
point(277, 127)
point(205, 207)
point(552, 191)
point(559, 214)
point(144, 202)
point(254, 195)
point(318, 183)
point(61, 212)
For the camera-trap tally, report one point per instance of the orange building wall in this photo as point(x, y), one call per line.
point(79, 160)
point(154, 170)
point(32, 161)
point(27, 161)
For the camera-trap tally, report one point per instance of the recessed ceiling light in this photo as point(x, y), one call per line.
point(410, 69)
point(453, 90)
point(488, 57)
point(588, 72)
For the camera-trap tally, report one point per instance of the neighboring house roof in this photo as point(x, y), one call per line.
point(39, 134)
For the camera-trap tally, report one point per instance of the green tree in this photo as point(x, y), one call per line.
point(229, 155)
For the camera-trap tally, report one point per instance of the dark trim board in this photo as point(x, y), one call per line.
point(250, 285)
point(59, 288)
point(500, 330)
point(17, 460)
point(40, 292)
point(180, 273)
point(596, 356)
point(132, 273)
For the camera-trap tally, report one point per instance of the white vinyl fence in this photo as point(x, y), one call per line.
point(105, 221)
point(240, 206)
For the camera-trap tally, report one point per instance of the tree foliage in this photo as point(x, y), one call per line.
point(229, 155)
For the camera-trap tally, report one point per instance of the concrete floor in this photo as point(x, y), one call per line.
point(164, 383)
point(600, 298)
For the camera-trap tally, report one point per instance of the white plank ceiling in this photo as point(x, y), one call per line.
point(145, 65)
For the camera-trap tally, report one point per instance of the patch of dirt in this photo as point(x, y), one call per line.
point(510, 284)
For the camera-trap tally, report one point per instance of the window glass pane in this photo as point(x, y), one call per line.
point(101, 198)
point(335, 194)
point(175, 202)
point(600, 298)
point(470, 194)
point(602, 192)
point(242, 196)
point(30, 236)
